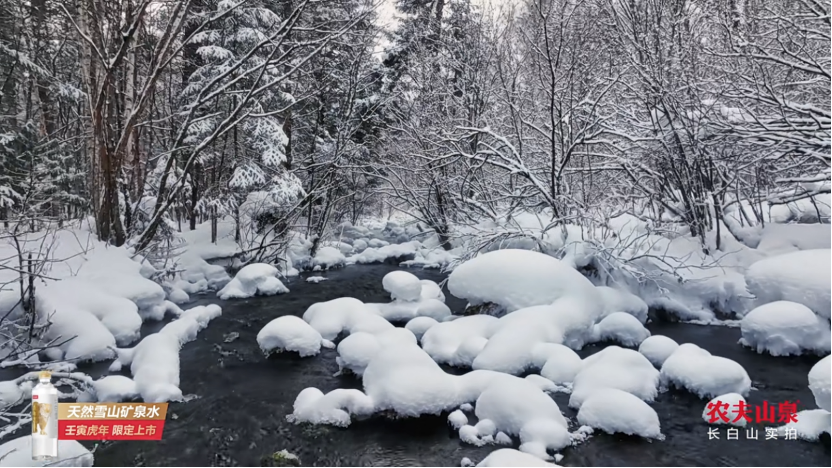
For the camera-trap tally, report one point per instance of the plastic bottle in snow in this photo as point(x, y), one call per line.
point(44, 418)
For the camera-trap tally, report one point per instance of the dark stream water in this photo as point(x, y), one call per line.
point(243, 399)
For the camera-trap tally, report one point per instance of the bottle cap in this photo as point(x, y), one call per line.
point(45, 374)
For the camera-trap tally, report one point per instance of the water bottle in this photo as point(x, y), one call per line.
point(44, 419)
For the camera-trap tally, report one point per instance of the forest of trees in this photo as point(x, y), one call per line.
point(293, 115)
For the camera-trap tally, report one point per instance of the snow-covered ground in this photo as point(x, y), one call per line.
point(91, 301)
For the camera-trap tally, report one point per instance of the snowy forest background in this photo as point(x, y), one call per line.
point(661, 146)
point(154, 116)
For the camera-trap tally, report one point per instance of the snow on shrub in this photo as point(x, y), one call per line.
point(657, 349)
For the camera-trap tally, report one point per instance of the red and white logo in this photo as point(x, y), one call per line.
point(34, 397)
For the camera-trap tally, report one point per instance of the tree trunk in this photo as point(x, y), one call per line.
point(194, 195)
point(47, 121)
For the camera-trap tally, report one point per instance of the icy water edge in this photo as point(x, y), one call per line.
point(243, 399)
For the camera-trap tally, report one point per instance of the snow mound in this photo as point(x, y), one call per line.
point(154, 362)
point(541, 435)
point(620, 327)
point(457, 419)
point(402, 285)
point(615, 411)
point(334, 408)
point(251, 280)
point(148, 296)
point(419, 325)
point(616, 300)
point(18, 452)
point(657, 349)
point(405, 380)
point(289, 333)
point(316, 279)
point(155, 368)
point(695, 369)
point(115, 388)
point(119, 315)
point(514, 338)
point(785, 328)
point(331, 318)
point(92, 340)
point(431, 290)
point(510, 457)
point(328, 257)
point(802, 277)
point(443, 340)
point(518, 407)
point(562, 365)
point(516, 279)
point(399, 310)
point(716, 411)
point(617, 368)
point(820, 382)
point(358, 349)
point(809, 426)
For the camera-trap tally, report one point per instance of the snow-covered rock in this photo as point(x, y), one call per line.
point(154, 362)
point(419, 325)
point(616, 300)
point(330, 318)
point(289, 333)
point(657, 349)
point(443, 340)
point(431, 290)
point(399, 310)
point(402, 285)
point(820, 383)
point(539, 436)
point(406, 381)
point(803, 276)
point(18, 453)
point(514, 338)
point(618, 368)
point(562, 365)
point(334, 408)
point(512, 403)
point(510, 457)
point(356, 350)
point(518, 407)
point(809, 426)
point(251, 280)
point(785, 328)
point(695, 369)
point(620, 327)
point(457, 419)
point(716, 411)
point(615, 411)
point(316, 279)
point(516, 279)
point(115, 388)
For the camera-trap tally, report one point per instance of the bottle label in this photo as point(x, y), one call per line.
point(45, 415)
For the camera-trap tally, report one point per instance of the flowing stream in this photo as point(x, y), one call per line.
point(242, 399)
